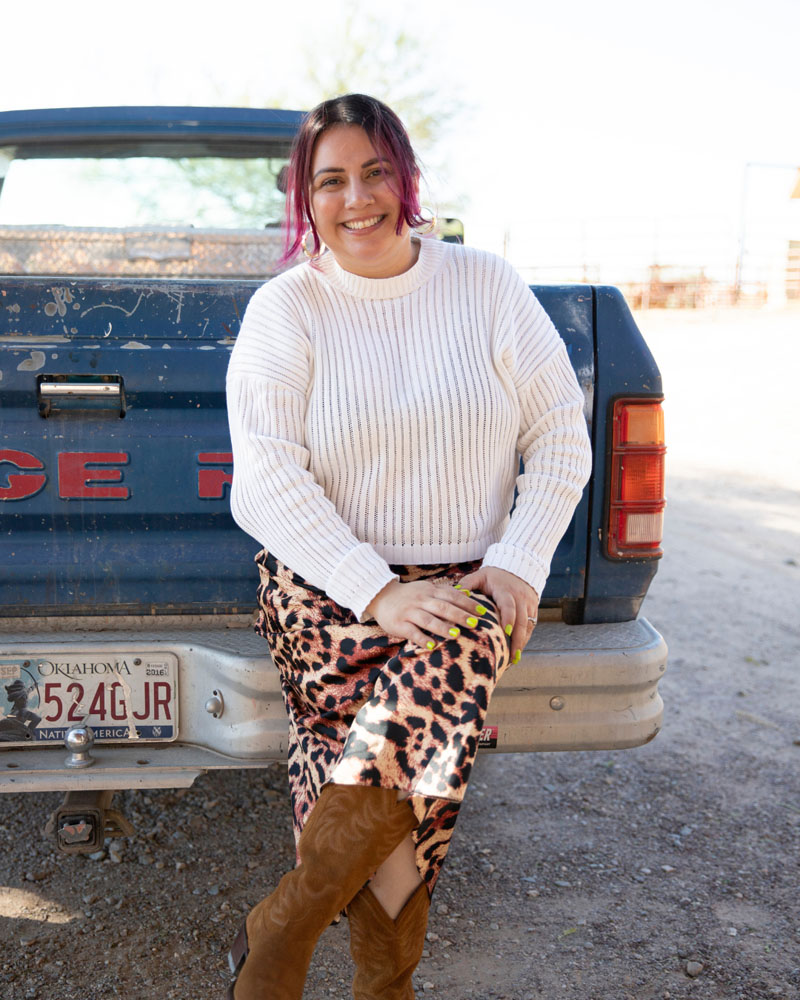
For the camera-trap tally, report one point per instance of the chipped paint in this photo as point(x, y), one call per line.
point(206, 347)
point(14, 307)
point(110, 305)
point(23, 340)
point(177, 298)
point(33, 363)
point(134, 345)
point(61, 296)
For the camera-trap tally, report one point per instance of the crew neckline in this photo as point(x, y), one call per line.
point(428, 262)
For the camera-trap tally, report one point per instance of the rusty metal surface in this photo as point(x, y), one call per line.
point(135, 252)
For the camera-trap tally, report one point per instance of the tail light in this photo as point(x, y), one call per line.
point(636, 508)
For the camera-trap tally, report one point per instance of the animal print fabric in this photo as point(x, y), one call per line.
point(366, 708)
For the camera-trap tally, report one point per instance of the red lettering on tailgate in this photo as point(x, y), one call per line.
point(77, 481)
point(211, 483)
point(21, 485)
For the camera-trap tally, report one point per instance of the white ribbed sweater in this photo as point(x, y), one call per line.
point(378, 421)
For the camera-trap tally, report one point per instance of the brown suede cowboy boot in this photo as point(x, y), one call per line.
point(386, 951)
point(350, 833)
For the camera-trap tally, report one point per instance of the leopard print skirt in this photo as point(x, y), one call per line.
point(367, 709)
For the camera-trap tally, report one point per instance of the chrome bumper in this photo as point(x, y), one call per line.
point(584, 687)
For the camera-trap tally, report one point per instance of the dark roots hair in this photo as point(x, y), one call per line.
point(390, 140)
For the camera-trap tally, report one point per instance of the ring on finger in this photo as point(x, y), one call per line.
point(533, 621)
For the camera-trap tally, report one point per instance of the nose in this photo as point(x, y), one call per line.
point(358, 194)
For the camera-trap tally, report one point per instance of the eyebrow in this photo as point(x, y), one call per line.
point(340, 170)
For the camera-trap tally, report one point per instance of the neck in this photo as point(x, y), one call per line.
point(403, 258)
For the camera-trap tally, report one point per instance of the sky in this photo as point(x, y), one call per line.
point(589, 133)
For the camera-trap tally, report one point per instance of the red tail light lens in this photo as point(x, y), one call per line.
point(636, 508)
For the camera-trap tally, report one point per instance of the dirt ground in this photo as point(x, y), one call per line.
point(661, 873)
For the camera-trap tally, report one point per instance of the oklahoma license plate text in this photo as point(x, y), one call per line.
point(121, 696)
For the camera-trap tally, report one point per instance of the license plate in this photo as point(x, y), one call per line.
point(122, 696)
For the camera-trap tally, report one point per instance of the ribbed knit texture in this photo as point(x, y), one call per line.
point(378, 421)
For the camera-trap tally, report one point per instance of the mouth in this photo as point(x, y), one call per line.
point(357, 225)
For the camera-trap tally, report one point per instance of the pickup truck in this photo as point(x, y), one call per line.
point(130, 242)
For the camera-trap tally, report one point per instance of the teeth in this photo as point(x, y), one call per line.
point(363, 224)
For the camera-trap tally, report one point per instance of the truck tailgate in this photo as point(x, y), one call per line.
point(115, 459)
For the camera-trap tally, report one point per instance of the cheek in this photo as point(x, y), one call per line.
point(322, 210)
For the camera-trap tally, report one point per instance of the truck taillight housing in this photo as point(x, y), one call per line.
point(636, 500)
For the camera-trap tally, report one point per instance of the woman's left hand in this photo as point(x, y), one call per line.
point(516, 601)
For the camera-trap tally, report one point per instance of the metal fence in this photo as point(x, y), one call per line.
point(683, 262)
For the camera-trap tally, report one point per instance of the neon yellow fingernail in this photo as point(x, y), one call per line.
point(509, 629)
point(457, 586)
point(454, 631)
point(517, 656)
point(480, 609)
point(472, 622)
point(430, 644)
point(466, 593)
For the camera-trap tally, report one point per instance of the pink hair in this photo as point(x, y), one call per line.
point(390, 140)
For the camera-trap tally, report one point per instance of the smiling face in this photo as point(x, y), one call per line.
point(355, 210)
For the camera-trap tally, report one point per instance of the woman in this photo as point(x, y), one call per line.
point(379, 395)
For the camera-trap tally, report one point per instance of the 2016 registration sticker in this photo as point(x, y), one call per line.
point(121, 696)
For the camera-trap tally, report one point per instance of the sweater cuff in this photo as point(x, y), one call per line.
point(358, 578)
point(518, 562)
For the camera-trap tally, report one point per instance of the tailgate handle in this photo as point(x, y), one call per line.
point(80, 392)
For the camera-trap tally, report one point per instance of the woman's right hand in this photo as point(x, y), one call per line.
point(405, 609)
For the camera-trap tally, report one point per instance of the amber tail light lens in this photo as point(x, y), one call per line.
point(636, 508)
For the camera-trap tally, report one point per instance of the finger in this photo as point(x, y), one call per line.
point(507, 612)
point(441, 626)
point(521, 633)
point(457, 605)
point(476, 586)
point(472, 582)
point(526, 622)
point(422, 640)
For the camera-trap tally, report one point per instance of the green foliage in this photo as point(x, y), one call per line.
point(248, 188)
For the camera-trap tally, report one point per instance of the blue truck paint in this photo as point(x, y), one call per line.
point(152, 546)
point(624, 366)
point(147, 131)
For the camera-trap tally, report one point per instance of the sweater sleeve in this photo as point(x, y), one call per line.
point(553, 439)
point(274, 496)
